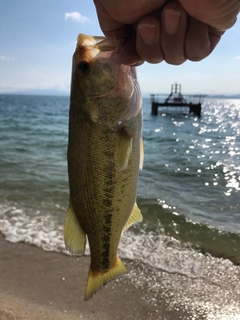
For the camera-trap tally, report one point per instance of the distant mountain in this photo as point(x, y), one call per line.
point(40, 92)
point(222, 96)
point(207, 96)
point(57, 92)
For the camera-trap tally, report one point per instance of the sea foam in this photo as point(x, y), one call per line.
point(153, 248)
point(33, 228)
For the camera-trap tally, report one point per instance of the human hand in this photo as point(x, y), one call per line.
point(157, 30)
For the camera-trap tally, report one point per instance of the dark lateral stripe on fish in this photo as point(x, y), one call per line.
point(106, 238)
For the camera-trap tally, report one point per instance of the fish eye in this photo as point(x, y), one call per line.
point(83, 66)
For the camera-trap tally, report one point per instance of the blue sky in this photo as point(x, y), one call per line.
point(37, 40)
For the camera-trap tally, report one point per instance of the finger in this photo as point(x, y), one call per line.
point(127, 53)
point(129, 56)
point(219, 14)
point(174, 25)
point(129, 12)
point(200, 40)
point(147, 41)
point(214, 37)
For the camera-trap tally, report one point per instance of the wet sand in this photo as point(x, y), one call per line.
point(35, 284)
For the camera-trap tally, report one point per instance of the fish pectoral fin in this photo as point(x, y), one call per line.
point(135, 216)
point(97, 279)
point(124, 148)
point(141, 154)
point(74, 236)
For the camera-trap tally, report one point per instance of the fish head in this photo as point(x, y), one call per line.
point(109, 89)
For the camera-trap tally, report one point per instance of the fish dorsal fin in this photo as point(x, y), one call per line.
point(135, 216)
point(74, 236)
point(124, 148)
point(141, 154)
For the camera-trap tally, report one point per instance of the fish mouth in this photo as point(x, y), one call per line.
point(104, 47)
point(106, 44)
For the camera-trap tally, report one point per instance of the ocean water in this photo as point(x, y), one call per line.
point(188, 192)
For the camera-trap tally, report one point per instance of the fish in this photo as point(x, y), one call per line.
point(105, 153)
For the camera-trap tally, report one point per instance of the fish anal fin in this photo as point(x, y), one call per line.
point(135, 216)
point(96, 280)
point(141, 154)
point(74, 236)
point(124, 148)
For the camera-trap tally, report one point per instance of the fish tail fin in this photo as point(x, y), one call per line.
point(96, 280)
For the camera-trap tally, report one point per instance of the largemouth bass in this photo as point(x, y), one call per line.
point(104, 155)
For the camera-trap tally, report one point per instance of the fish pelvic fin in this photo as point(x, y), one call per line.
point(141, 154)
point(74, 236)
point(124, 149)
point(135, 216)
point(96, 280)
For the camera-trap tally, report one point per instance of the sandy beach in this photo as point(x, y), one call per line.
point(35, 284)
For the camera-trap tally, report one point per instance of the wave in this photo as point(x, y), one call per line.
point(201, 237)
point(172, 244)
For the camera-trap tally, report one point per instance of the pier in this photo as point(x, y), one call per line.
point(176, 99)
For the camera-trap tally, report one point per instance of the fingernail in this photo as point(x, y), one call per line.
point(171, 19)
point(148, 33)
point(136, 64)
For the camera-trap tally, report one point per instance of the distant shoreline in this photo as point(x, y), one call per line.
point(145, 95)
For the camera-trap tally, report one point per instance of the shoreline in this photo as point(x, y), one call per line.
point(37, 284)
